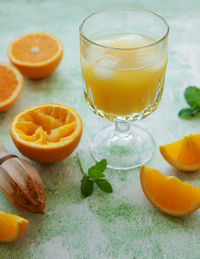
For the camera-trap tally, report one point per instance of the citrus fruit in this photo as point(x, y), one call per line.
point(183, 154)
point(11, 84)
point(46, 133)
point(12, 227)
point(36, 54)
point(168, 194)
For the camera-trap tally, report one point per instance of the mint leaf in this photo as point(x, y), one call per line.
point(101, 165)
point(104, 185)
point(188, 112)
point(95, 174)
point(192, 96)
point(87, 186)
point(96, 171)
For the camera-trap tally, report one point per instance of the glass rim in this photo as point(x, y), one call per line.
point(127, 9)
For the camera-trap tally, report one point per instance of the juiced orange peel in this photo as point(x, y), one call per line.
point(47, 132)
point(183, 154)
point(168, 194)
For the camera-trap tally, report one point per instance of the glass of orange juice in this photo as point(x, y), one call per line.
point(123, 54)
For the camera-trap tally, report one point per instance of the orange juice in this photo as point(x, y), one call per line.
point(123, 74)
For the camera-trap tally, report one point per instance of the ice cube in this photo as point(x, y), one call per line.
point(94, 53)
point(108, 61)
point(104, 42)
point(104, 67)
point(160, 64)
point(102, 73)
point(132, 41)
point(147, 57)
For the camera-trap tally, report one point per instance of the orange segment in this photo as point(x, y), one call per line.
point(47, 132)
point(12, 227)
point(11, 84)
point(36, 54)
point(183, 154)
point(168, 194)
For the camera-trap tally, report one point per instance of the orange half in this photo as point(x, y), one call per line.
point(47, 132)
point(36, 54)
point(168, 194)
point(12, 227)
point(11, 84)
point(183, 154)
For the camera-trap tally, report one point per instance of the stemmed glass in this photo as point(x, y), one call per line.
point(123, 55)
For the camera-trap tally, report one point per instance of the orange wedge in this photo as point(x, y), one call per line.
point(183, 154)
point(12, 227)
point(47, 133)
point(11, 84)
point(36, 54)
point(168, 194)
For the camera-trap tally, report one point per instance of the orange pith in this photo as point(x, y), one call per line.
point(12, 227)
point(47, 132)
point(11, 84)
point(183, 154)
point(36, 54)
point(168, 194)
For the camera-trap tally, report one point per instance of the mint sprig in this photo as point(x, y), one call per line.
point(94, 176)
point(192, 97)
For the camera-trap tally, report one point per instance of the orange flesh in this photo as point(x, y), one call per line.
point(169, 193)
point(46, 126)
point(174, 148)
point(8, 226)
point(186, 154)
point(195, 140)
point(8, 78)
point(12, 227)
point(186, 151)
point(34, 48)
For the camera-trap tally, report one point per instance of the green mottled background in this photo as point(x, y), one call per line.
point(122, 224)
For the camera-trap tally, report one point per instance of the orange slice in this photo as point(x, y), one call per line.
point(36, 54)
point(12, 227)
point(183, 154)
point(47, 133)
point(168, 194)
point(11, 84)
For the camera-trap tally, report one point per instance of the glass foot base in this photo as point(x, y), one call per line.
point(123, 150)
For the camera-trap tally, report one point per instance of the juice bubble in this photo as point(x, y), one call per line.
point(104, 67)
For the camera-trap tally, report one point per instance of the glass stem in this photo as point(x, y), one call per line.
point(122, 129)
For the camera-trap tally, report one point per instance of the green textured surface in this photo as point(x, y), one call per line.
point(122, 224)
